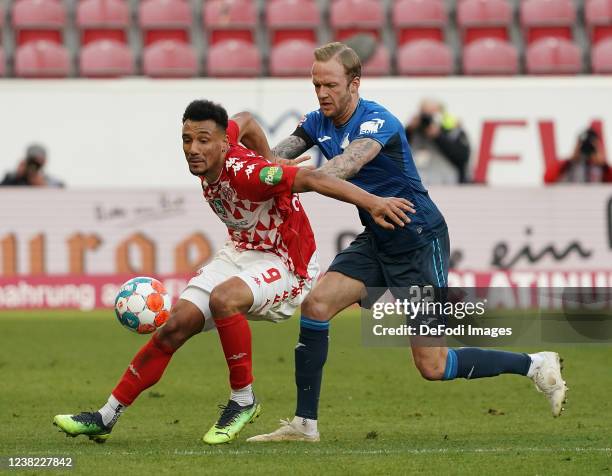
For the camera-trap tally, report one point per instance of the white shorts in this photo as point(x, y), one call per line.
point(277, 292)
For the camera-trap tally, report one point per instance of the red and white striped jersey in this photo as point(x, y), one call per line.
point(253, 198)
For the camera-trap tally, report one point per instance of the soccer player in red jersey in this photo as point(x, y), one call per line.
point(263, 272)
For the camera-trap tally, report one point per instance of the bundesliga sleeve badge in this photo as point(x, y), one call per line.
point(271, 175)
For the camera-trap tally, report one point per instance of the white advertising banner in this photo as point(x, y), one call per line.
point(127, 132)
point(120, 231)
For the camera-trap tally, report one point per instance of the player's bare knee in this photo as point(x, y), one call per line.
point(316, 308)
point(225, 302)
point(179, 328)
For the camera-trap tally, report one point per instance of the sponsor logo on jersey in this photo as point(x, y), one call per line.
point(219, 208)
point(345, 141)
point(271, 175)
point(323, 139)
point(249, 170)
point(371, 127)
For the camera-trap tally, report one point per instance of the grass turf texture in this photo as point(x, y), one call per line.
point(378, 416)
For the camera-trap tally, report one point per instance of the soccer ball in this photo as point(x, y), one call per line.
point(142, 305)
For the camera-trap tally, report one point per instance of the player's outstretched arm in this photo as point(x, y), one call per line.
point(381, 208)
point(356, 155)
point(289, 149)
point(252, 135)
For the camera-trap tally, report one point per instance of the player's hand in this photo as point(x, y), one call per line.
point(389, 211)
point(292, 162)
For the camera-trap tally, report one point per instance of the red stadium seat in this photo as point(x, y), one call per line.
point(38, 20)
point(42, 59)
point(292, 20)
point(554, 56)
point(425, 58)
point(547, 18)
point(170, 59)
point(165, 20)
point(106, 59)
point(103, 20)
point(598, 18)
point(379, 64)
point(292, 58)
point(601, 57)
point(484, 19)
point(349, 17)
point(490, 56)
point(419, 20)
point(2, 67)
point(234, 58)
point(230, 20)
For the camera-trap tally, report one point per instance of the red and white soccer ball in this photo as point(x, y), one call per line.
point(142, 305)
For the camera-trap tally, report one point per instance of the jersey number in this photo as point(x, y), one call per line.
point(271, 275)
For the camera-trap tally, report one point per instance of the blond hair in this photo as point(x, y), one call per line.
point(345, 55)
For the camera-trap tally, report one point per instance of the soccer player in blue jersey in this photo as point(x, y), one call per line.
point(366, 145)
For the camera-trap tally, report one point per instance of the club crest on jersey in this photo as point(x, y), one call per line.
point(219, 208)
point(371, 127)
point(271, 175)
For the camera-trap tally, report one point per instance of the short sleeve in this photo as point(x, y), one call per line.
point(308, 126)
point(233, 131)
point(259, 180)
point(380, 127)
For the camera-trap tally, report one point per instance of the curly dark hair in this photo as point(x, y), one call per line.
point(204, 110)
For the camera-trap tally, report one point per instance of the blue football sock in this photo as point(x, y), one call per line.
point(310, 356)
point(471, 362)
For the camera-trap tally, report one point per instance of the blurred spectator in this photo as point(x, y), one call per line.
point(30, 171)
point(586, 165)
point(440, 147)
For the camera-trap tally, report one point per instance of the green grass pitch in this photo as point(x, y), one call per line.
point(378, 416)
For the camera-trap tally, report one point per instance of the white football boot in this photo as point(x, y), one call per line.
point(548, 380)
point(288, 431)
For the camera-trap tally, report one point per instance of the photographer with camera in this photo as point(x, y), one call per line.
point(30, 171)
point(586, 165)
point(440, 147)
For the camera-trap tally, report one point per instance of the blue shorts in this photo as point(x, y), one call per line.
point(424, 266)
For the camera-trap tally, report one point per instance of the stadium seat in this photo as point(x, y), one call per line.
point(379, 64)
point(170, 59)
point(598, 19)
point(42, 59)
point(234, 58)
point(230, 20)
point(547, 18)
point(292, 58)
point(601, 57)
point(554, 56)
point(2, 66)
point(490, 56)
point(38, 20)
point(292, 20)
point(165, 20)
point(103, 20)
point(425, 58)
point(419, 20)
point(349, 17)
point(484, 19)
point(106, 59)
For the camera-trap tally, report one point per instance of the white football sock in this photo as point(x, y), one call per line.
point(243, 396)
point(111, 411)
point(308, 426)
point(536, 362)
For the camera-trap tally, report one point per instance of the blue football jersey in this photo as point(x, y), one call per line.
point(392, 173)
